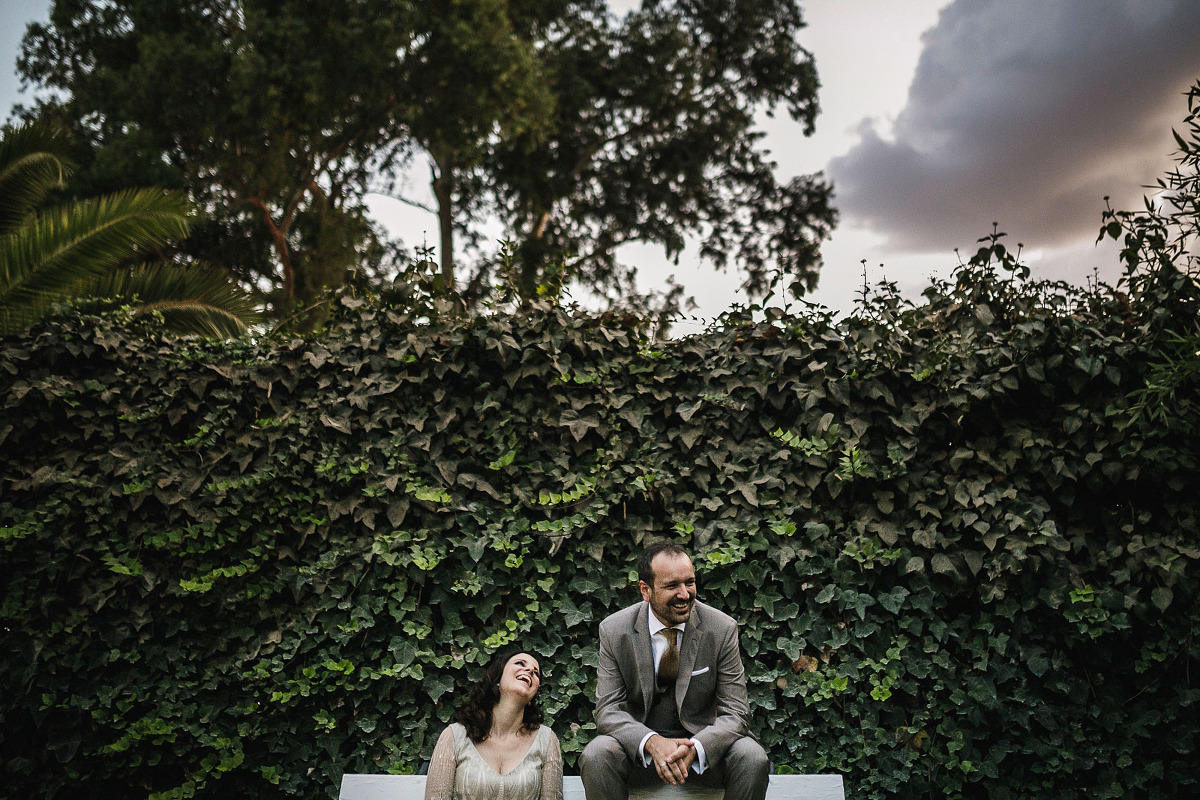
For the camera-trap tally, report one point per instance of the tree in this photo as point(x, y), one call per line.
point(1161, 254)
point(480, 82)
point(616, 130)
point(88, 249)
point(653, 140)
point(269, 113)
point(581, 130)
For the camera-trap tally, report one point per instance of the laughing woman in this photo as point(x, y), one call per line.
point(499, 747)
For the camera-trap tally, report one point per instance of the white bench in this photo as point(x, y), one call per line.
point(782, 787)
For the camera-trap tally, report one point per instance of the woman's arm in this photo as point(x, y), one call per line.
point(552, 771)
point(439, 783)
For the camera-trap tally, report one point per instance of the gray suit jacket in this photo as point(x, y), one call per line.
point(710, 692)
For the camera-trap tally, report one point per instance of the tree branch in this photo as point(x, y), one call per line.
point(406, 201)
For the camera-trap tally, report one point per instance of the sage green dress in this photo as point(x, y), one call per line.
point(458, 772)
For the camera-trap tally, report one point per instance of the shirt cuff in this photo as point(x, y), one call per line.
point(701, 762)
point(642, 749)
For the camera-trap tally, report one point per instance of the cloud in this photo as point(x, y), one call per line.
point(1025, 112)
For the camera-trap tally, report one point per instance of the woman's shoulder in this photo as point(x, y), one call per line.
point(546, 735)
point(455, 732)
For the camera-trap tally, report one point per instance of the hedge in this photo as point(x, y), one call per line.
point(963, 565)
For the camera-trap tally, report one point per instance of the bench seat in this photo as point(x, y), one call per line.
point(782, 787)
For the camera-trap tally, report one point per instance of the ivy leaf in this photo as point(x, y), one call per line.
point(476, 547)
point(342, 426)
point(942, 564)
point(748, 491)
point(1038, 663)
point(690, 435)
point(578, 425)
point(790, 647)
point(571, 614)
point(894, 599)
point(686, 410)
point(861, 603)
point(635, 415)
point(1162, 597)
point(404, 651)
point(437, 685)
point(479, 484)
point(396, 512)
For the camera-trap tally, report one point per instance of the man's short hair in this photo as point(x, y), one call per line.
point(645, 571)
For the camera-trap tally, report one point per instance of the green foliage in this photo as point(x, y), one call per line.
point(580, 128)
point(1159, 250)
point(475, 77)
point(962, 567)
point(653, 139)
point(85, 251)
point(268, 115)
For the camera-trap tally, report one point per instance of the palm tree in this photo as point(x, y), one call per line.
point(90, 249)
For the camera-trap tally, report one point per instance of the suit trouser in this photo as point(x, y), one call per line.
point(608, 773)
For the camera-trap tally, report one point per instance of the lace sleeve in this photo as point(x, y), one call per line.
point(552, 770)
point(439, 783)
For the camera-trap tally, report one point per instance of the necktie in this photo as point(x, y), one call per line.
point(668, 665)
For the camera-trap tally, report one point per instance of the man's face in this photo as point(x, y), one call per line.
point(674, 590)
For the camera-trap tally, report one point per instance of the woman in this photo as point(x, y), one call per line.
point(499, 746)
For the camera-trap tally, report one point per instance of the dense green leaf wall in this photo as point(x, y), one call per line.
point(244, 569)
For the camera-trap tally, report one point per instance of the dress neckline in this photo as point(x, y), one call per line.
point(516, 766)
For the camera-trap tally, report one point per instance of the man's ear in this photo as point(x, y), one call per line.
point(645, 589)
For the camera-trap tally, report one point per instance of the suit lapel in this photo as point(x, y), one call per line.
point(688, 653)
point(643, 655)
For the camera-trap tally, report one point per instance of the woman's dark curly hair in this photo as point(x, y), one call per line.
point(475, 713)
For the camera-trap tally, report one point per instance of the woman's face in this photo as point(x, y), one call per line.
point(522, 676)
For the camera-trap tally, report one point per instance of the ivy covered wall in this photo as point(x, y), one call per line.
point(964, 566)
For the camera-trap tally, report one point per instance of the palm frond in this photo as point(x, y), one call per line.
point(14, 319)
point(201, 319)
point(56, 249)
point(79, 254)
point(196, 299)
point(33, 160)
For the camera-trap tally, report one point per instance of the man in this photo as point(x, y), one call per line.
point(671, 711)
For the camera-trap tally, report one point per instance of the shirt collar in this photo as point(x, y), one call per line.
point(656, 624)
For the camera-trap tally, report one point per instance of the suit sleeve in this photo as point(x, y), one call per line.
point(613, 715)
point(731, 706)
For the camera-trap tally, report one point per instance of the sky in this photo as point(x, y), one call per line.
point(937, 119)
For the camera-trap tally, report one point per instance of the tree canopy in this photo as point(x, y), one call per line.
point(267, 113)
point(654, 140)
point(580, 129)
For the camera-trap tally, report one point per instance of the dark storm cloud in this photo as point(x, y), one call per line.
point(1027, 112)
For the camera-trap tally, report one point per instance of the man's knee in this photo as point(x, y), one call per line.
point(747, 756)
point(747, 770)
point(600, 752)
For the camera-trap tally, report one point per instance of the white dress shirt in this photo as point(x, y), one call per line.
point(658, 646)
